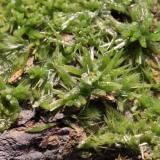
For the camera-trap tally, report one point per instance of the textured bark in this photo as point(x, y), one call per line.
point(54, 144)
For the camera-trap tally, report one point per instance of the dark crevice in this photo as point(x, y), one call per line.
point(121, 17)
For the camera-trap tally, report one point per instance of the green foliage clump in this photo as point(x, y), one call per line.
point(141, 17)
point(10, 99)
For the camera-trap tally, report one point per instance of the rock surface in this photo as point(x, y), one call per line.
point(54, 144)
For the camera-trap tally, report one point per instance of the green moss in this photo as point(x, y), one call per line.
point(84, 51)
